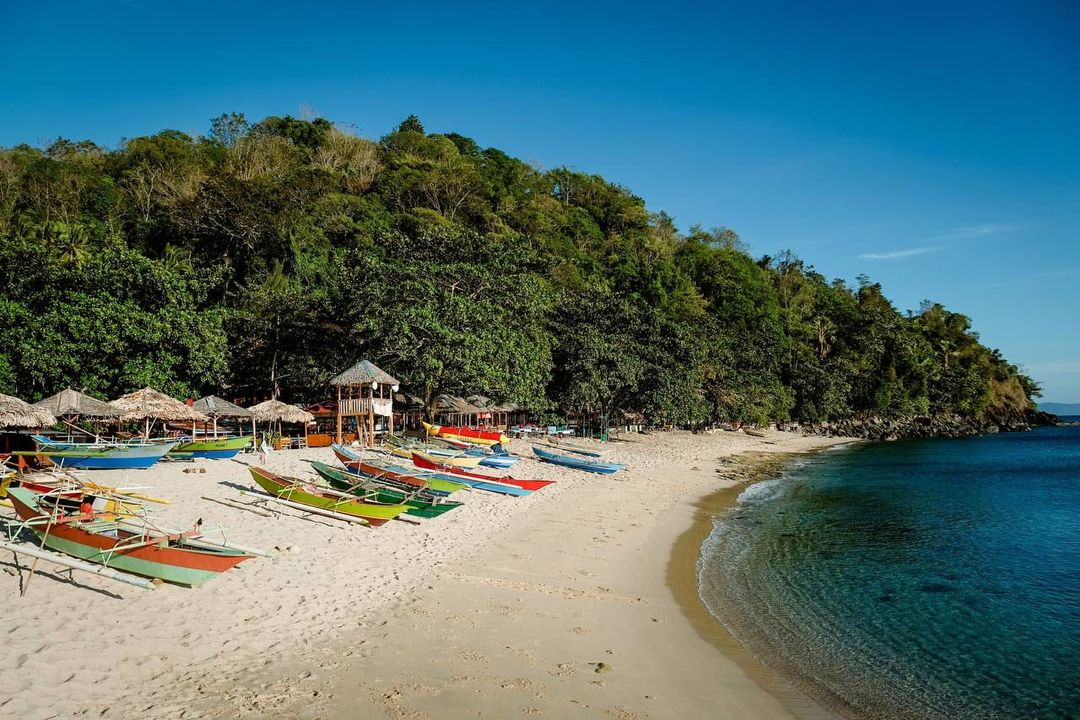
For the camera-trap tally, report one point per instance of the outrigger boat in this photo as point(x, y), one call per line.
point(494, 456)
point(425, 464)
point(213, 448)
point(421, 503)
point(403, 447)
point(414, 476)
point(467, 434)
point(134, 455)
point(576, 463)
point(387, 472)
point(299, 492)
point(69, 524)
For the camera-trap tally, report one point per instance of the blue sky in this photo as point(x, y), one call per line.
point(934, 147)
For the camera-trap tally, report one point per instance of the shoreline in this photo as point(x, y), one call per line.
point(682, 579)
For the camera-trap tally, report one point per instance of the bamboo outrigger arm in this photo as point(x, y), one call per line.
point(72, 563)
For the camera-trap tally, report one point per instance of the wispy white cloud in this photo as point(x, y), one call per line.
point(971, 232)
point(942, 240)
point(898, 254)
point(1051, 278)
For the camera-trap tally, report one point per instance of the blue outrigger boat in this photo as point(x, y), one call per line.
point(135, 455)
point(575, 462)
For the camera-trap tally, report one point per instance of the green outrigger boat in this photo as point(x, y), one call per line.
point(421, 504)
point(299, 492)
point(213, 448)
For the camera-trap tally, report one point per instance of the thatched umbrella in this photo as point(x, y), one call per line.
point(215, 408)
point(275, 410)
point(14, 413)
point(72, 403)
point(149, 404)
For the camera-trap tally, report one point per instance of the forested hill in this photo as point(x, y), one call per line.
point(265, 258)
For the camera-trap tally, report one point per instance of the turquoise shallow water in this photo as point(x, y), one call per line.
point(917, 579)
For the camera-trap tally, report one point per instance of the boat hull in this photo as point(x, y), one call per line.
point(107, 457)
point(294, 491)
point(430, 507)
point(436, 486)
point(217, 449)
point(183, 565)
point(532, 485)
point(576, 463)
point(467, 434)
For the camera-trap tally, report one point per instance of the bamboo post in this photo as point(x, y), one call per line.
point(339, 414)
point(390, 423)
point(146, 433)
point(371, 416)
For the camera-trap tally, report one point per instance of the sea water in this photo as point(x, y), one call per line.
point(915, 579)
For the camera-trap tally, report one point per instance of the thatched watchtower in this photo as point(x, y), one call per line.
point(364, 391)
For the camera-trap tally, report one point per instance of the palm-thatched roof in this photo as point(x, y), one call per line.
point(482, 401)
point(14, 413)
point(272, 410)
point(405, 401)
point(454, 404)
point(365, 372)
point(148, 403)
point(214, 406)
point(73, 402)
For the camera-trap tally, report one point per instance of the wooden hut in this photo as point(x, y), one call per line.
point(14, 413)
point(453, 410)
point(148, 405)
point(364, 391)
point(273, 411)
point(214, 407)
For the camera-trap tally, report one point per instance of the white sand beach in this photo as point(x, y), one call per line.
point(553, 605)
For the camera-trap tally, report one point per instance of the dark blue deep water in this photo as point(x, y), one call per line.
point(916, 579)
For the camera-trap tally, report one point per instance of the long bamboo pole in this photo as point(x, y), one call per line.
point(100, 570)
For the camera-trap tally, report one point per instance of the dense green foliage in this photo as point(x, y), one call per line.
point(263, 259)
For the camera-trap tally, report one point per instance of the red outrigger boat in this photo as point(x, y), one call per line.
point(421, 462)
point(179, 558)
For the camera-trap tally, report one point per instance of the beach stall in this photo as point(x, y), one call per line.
point(453, 410)
point(275, 411)
point(149, 405)
point(214, 408)
point(364, 391)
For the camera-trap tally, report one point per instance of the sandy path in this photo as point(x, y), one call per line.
point(501, 608)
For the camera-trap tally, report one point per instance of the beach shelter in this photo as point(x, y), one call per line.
point(273, 411)
point(214, 407)
point(148, 405)
point(364, 391)
point(14, 413)
point(71, 405)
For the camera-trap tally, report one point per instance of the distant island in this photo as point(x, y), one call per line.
point(261, 259)
point(1056, 408)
